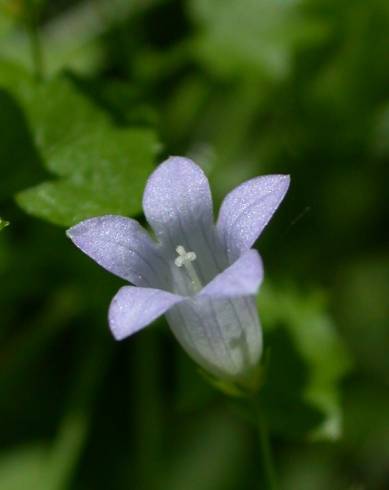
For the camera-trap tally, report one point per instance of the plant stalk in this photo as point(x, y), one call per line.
point(34, 37)
point(267, 463)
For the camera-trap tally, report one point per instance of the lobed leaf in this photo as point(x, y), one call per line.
point(100, 168)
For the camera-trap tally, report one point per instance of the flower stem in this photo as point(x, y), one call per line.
point(267, 464)
point(35, 42)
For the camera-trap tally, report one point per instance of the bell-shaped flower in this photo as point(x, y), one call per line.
point(202, 276)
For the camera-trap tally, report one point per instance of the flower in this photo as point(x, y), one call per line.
point(202, 276)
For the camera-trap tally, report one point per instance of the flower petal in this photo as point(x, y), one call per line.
point(177, 200)
point(121, 246)
point(246, 211)
point(242, 278)
point(134, 308)
point(222, 335)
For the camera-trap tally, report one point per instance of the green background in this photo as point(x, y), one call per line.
point(93, 95)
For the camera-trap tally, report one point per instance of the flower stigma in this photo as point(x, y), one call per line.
point(185, 259)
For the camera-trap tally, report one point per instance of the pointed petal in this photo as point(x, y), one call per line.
point(177, 200)
point(242, 278)
point(134, 308)
point(246, 211)
point(121, 246)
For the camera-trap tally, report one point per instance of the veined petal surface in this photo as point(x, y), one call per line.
point(134, 308)
point(222, 335)
point(121, 246)
point(247, 209)
point(177, 199)
point(242, 278)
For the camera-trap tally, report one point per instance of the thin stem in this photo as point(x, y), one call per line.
point(35, 42)
point(267, 463)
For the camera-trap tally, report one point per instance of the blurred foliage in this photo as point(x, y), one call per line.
point(3, 223)
point(293, 320)
point(93, 94)
point(269, 33)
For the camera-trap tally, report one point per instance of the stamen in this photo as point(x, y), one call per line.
point(185, 259)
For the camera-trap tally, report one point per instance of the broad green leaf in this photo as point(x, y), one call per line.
point(16, 80)
point(3, 223)
point(101, 168)
point(20, 162)
point(251, 35)
point(307, 361)
point(117, 163)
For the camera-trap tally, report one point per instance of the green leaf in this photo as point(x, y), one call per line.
point(3, 223)
point(259, 35)
point(307, 362)
point(20, 162)
point(104, 174)
point(101, 168)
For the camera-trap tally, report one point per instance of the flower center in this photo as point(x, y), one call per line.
point(185, 260)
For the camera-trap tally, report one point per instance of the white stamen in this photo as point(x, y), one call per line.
point(185, 259)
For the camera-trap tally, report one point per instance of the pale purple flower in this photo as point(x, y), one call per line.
point(202, 276)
